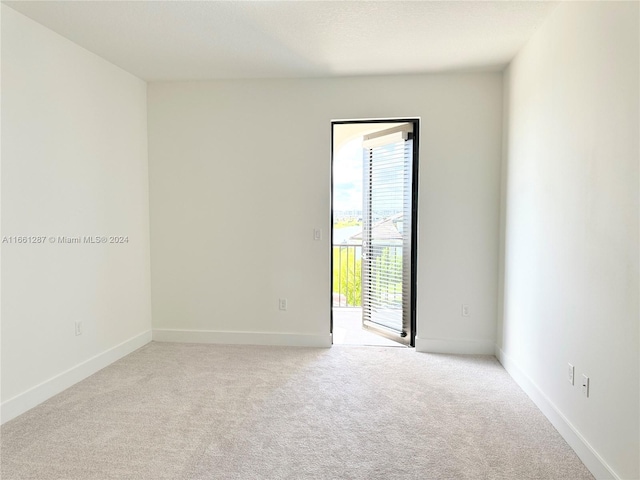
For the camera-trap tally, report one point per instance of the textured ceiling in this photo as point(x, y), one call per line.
point(195, 40)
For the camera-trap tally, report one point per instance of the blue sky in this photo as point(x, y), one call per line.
point(347, 176)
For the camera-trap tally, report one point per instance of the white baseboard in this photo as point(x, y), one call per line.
point(455, 346)
point(19, 404)
point(242, 338)
point(594, 462)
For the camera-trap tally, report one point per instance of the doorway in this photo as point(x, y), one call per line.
point(374, 167)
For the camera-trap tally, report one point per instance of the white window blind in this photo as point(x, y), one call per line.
point(386, 265)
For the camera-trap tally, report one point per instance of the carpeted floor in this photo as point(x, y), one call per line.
point(181, 411)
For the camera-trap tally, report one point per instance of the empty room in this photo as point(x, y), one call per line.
point(320, 240)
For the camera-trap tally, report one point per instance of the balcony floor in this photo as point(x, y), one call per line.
point(348, 330)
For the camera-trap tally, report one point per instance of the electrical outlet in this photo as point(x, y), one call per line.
point(571, 372)
point(282, 303)
point(585, 386)
point(465, 310)
point(79, 328)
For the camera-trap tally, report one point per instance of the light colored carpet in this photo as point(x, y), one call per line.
point(179, 411)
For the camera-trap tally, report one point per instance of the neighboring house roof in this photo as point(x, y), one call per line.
point(385, 229)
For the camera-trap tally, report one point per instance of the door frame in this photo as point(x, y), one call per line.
point(415, 121)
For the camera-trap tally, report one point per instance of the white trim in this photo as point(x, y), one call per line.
point(24, 401)
point(455, 346)
point(589, 456)
point(241, 338)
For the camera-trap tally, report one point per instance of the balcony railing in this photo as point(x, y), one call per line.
point(347, 275)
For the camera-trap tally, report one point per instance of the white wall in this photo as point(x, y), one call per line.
point(570, 207)
point(74, 162)
point(240, 176)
